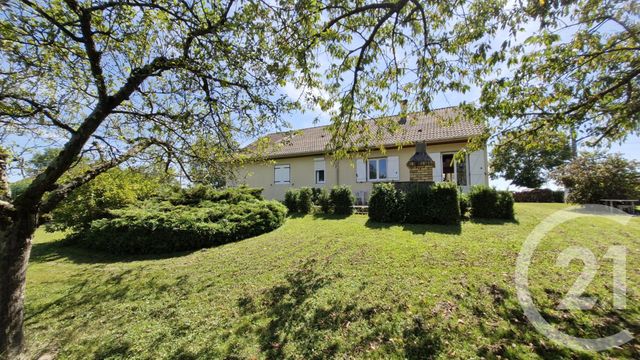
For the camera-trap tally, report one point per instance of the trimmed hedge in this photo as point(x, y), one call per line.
point(490, 203)
point(342, 200)
point(435, 204)
point(386, 204)
point(465, 204)
point(539, 195)
point(163, 228)
point(324, 202)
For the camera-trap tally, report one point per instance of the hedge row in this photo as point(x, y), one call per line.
point(436, 204)
point(339, 200)
point(163, 227)
point(490, 203)
point(539, 195)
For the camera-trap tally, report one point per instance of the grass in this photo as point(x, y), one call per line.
point(323, 287)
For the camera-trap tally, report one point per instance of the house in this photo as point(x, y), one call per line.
point(298, 159)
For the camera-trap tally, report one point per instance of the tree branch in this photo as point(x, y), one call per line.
point(64, 190)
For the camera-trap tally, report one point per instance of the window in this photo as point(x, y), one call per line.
point(282, 174)
point(454, 171)
point(377, 169)
point(319, 170)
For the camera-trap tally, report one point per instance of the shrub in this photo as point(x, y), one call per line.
point(291, 200)
point(465, 204)
point(417, 204)
point(418, 207)
point(595, 176)
point(162, 227)
point(504, 205)
point(483, 201)
point(386, 204)
point(305, 203)
point(342, 200)
point(315, 196)
point(198, 193)
point(539, 195)
point(444, 205)
point(489, 203)
point(324, 201)
point(114, 189)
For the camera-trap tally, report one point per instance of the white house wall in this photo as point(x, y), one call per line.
point(343, 172)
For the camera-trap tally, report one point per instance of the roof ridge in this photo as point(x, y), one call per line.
point(369, 119)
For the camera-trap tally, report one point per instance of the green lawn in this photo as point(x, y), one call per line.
point(327, 287)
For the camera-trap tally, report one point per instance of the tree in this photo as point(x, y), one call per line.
point(110, 82)
point(528, 165)
point(594, 176)
point(580, 70)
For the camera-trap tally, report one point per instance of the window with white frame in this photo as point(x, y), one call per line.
point(377, 169)
point(319, 170)
point(282, 174)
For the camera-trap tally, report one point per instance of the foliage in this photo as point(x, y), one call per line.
point(291, 200)
point(435, 204)
point(578, 72)
point(114, 189)
point(40, 161)
point(163, 227)
point(489, 203)
point(199, 193)
point(324, 202)
point(342, 200)
point(315, 196)
point(386, 204)
point(465, 204)
point(305, 200)
point(18, 187)
point(594, 176)
point(539, 195)
point(528, 165)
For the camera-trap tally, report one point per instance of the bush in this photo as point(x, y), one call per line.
point(489, 203)
point(417, 204)
point(539, 195)
point(305, 203)
point(465, 204)
point(504, 205)
point(198, 193)
point(342, 200)
point(386, 204)
point(315, 196)
point(114, 189)
point(324, 201)
point(291, 200)
point(594, 176)
point(162, 227)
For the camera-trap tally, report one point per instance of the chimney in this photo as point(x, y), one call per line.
point(421, 164)
point(403, 112)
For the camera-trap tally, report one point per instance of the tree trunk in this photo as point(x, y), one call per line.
point(15, 247)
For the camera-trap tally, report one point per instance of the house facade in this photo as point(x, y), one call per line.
point(427, 152)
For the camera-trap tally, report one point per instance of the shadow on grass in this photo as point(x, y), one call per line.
point(330, 216)
point(484, 221)
point(519, 330)
point(301, 327)
point(67, 249)
point(418, 229)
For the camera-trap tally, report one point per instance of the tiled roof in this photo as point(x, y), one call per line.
point(437, 126)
